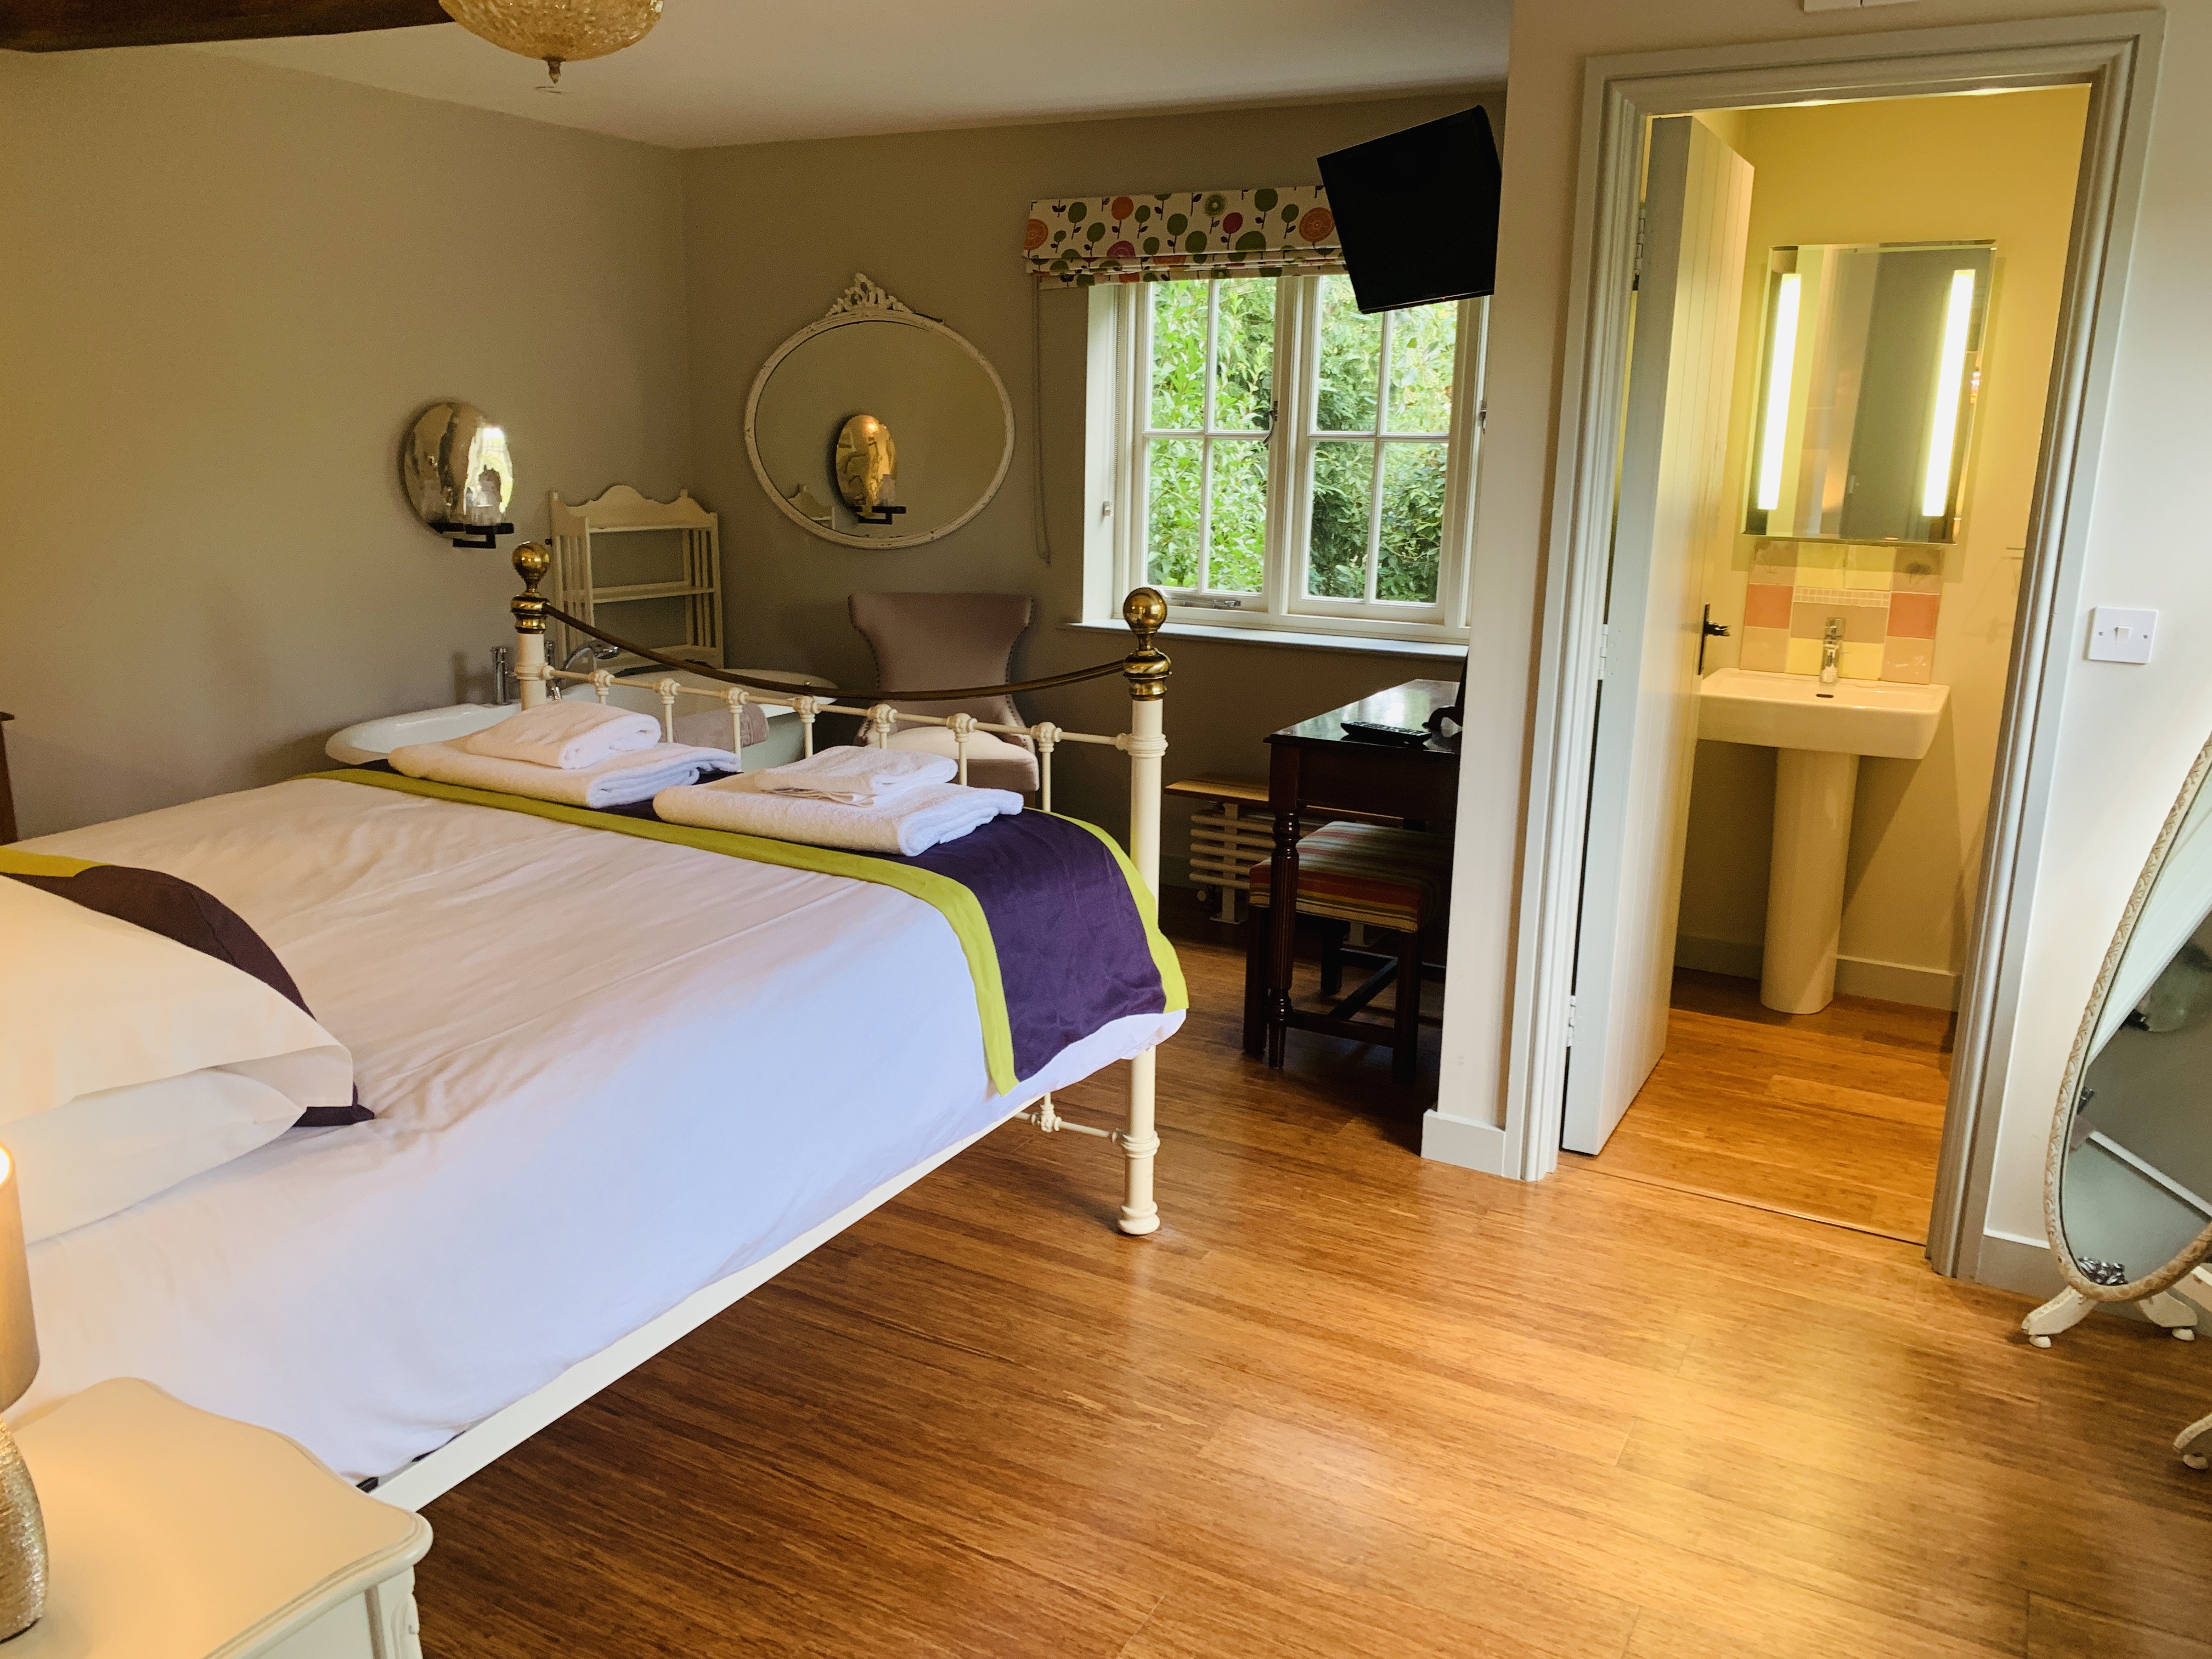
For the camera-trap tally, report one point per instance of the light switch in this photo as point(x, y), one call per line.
point(2117, 636)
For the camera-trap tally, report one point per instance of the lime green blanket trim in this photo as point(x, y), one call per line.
point(13, 863)
point(947, 896)
point(1148, 911)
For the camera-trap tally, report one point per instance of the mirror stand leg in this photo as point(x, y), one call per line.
point(2070, 1308)
point(2194, 1443)
point(2171, 1311)
point(2061, 1312)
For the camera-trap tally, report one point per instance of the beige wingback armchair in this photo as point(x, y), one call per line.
point(931, 640)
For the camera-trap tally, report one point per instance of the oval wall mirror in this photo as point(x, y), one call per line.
point(2128, 1192)
point(878, 427)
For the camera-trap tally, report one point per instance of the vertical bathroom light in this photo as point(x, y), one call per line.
point(1950, 381)
point(1782, 353)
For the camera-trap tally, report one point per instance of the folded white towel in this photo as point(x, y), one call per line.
point(615, 781)
point(569, 735)
point(857, 777)
point(909, 822)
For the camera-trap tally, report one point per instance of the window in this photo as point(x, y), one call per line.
point(1290, 464)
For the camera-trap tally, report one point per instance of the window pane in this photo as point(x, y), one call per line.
point(1344, 481)
point(1178, 354)
point(1244, 352)
point(1351, 361)
point(1412, 522)
point(1421, 341)
point(1172, 522)
point(1239, 524)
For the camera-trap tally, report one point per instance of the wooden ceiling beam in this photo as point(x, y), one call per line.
point(78, 25)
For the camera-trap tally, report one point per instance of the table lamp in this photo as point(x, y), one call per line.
point(22, 1530)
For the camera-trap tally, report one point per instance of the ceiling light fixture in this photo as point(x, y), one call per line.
point(557, 31)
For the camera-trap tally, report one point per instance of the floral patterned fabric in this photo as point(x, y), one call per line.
point(1188, 235)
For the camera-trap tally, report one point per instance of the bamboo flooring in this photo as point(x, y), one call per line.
point(1346, 1403)
point(1836, 1116)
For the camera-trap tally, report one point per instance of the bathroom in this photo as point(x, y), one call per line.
point(1906, 599)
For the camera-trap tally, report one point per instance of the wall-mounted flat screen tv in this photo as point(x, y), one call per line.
point(1417, 212)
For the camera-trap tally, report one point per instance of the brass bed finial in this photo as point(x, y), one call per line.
point(1146, 668)
point(532, 561)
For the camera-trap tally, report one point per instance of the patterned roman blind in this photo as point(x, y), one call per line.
point(1184, 236)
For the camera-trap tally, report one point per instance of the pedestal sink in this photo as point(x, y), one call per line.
point(1820, 739)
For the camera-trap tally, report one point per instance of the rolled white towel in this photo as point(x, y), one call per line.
point(569, 735)
point(909, 822)
point(615, 781)
point(857, 777)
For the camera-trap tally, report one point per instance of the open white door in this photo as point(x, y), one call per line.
point(1682, 372)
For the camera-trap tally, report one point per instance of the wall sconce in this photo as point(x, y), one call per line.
point(459, 478)
point(867, 470)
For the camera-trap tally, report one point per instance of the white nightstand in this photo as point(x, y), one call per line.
point(175, 1534)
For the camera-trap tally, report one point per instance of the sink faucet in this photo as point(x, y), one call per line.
point(1832, 643)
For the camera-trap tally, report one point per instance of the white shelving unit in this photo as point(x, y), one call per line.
point(580, 534)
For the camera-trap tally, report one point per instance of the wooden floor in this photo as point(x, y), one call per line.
point(1836, 1115)
point(1346, 1403)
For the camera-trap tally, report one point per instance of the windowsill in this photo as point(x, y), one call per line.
point(1363, 645)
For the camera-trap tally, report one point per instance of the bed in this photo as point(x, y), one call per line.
point(620, 1081)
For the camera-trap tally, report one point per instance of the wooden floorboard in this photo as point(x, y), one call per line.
point(1836, 1116)
point(1346, 1403)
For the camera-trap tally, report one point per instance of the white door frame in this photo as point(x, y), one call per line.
point(2116, 55)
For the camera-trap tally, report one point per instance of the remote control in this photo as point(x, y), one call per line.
point(1404, 736)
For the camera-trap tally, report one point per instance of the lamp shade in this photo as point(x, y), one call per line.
point(19, 1336)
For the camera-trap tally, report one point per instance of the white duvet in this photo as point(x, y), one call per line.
point(607, 1071)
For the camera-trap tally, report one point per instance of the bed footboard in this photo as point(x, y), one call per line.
point(1145, 670)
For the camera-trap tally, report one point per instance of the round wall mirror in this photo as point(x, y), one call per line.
point(2129, 1191)
point(877, 427)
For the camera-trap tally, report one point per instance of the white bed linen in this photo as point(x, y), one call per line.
point(607, 1073)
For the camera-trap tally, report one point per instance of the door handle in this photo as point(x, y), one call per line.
point(1708, 628)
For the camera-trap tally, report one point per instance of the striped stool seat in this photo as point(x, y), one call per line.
point(1368, 873)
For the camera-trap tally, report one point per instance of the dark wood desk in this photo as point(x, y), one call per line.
point(1314, 766)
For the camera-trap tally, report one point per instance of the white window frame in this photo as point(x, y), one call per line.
point(1120, 367)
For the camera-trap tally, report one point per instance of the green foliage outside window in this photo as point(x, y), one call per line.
point(1174, 474)
point(1226, 549)
point(1244, 347)
point(1343, 486)
point(1237, 560)
point(1422, 344)
point(1413, 528)
point(1178, 355)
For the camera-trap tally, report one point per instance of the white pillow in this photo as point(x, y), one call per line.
point(130, 1062)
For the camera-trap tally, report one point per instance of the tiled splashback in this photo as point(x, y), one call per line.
point(1886, 594)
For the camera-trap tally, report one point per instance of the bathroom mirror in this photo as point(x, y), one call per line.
point(908, 374)
point(1870, 374)
point(2128, 1194)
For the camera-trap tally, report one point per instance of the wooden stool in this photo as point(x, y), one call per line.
point(1396, 880)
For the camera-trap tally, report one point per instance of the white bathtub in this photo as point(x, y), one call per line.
point(698, 721)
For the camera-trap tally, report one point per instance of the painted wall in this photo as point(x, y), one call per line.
point(223, 290)
point(774, 232)
point(1900, 170)
point(2127, 734)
